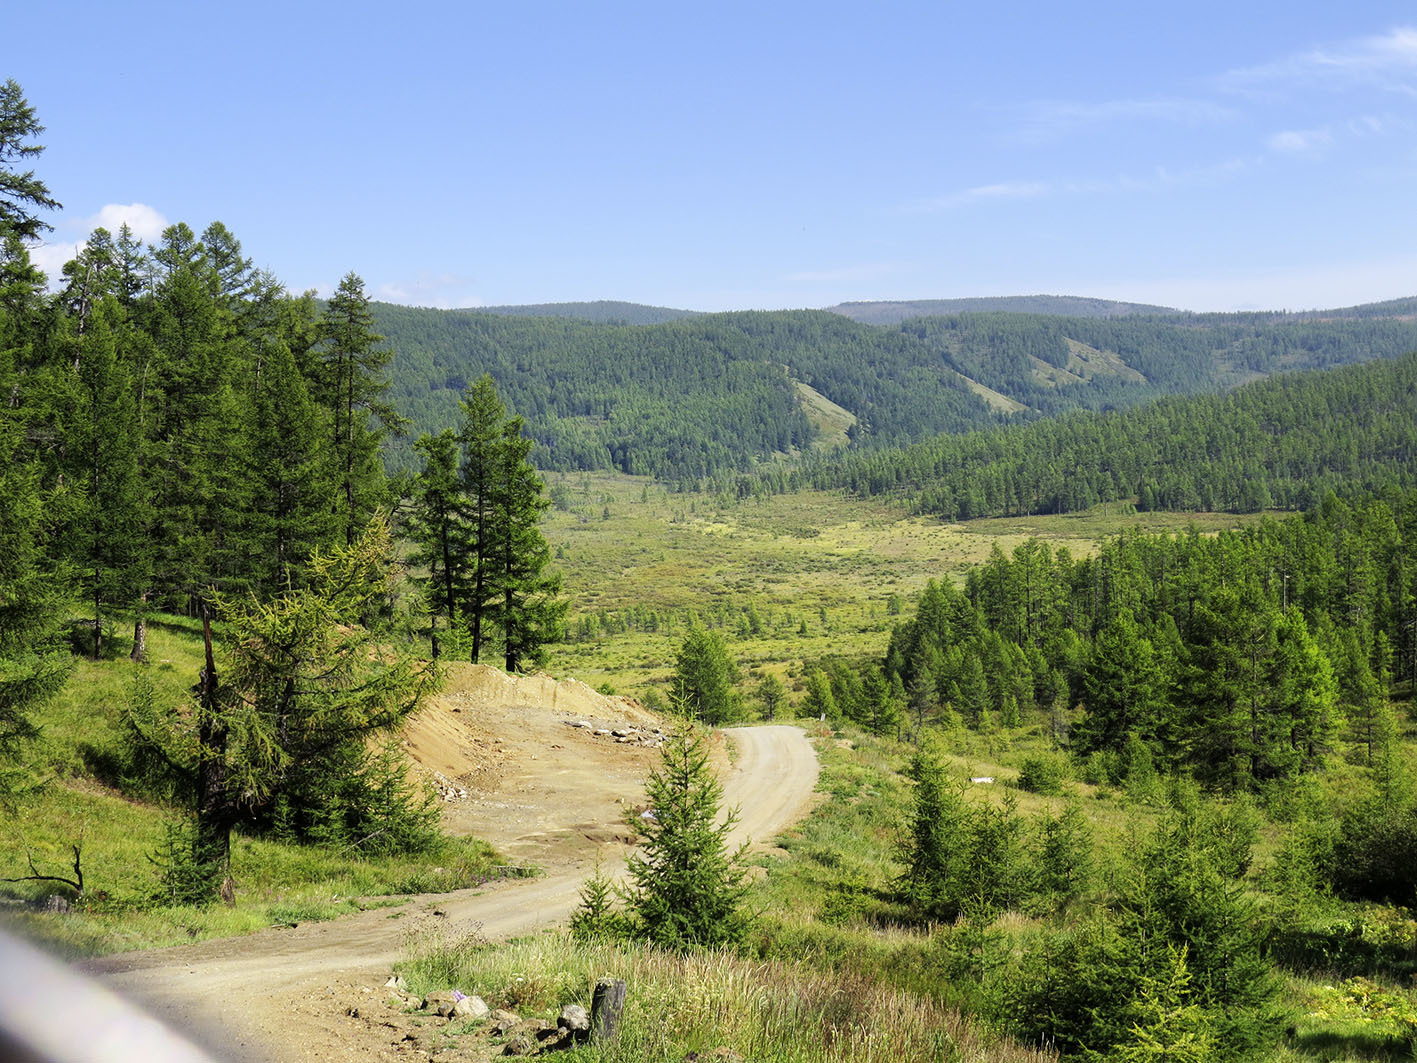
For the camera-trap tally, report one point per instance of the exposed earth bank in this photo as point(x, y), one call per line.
point(550, 772)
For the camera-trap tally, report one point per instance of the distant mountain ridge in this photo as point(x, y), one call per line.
point(893, 312)
point(600, 312)
point(705, 395)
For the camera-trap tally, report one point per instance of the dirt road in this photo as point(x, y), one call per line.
point(280, 994)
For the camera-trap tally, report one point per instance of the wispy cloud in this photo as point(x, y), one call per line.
point(1159, 178)
point(1048, 119)
point(1300, 141)
point(446, 291)
point(1002, 192)
point(1388, 60)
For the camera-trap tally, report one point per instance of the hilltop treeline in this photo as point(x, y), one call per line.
point(1282, 443)
point(713, 394)
point(1244, 658)
point(680, 400)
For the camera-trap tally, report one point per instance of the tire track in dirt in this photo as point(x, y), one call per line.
point(274, 995)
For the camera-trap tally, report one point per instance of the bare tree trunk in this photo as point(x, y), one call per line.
point(140, 634)
point(213, 802)
point(606, 1005)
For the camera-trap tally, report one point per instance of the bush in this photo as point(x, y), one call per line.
point(1043, 773)
point(1375, 854)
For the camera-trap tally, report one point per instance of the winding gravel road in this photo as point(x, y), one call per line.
point(261, 996)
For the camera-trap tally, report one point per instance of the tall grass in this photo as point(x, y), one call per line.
point(767, 1011)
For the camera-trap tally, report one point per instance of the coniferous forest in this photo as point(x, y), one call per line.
point(1123, 789)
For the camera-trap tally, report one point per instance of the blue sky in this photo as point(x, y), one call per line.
point(1212, 156)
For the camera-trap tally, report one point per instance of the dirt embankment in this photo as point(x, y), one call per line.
point(550, 772)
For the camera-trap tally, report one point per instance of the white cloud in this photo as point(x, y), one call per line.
point(446, 291)
point(1388, 60)
point(1300, 141)
point(1003, 191)
point(147, 224)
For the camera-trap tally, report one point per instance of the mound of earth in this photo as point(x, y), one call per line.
point(511, 754)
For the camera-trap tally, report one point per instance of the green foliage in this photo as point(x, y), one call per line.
point(1214, 655)
point(686, 889)
point(703, 679)
point(21, 193)
point(1374, 853)
point(1043, 773)
point(1177, 958)
point(189, 871)
point(1280, 443)
point(596, 917)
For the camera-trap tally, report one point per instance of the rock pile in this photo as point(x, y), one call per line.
point(447, 789)
point(623, 734)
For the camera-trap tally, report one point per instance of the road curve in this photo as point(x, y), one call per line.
point(237, 993)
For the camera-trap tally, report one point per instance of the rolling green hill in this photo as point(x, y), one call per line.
point(602, 311)
point(715, 394)
point(1278, 443)
point(893, 312)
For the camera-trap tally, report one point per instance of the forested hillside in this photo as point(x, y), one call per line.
point(713, 394)
point(604, 311)
point(681, 400)
point(1282, 442)
point(893, 312)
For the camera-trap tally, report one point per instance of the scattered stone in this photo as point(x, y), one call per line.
point(521, 1045)
point(473, 1007)
point(573, 1017)
point(601, 732)
point(56, 904)
point(982, 779)
point(441, 1004)
point(500, 1021)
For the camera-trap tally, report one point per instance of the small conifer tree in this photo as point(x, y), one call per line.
point(688, 888)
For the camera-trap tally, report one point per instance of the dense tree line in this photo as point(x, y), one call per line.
point(1245, 658)
point(681, 400)
point(179, 434)
point(477, 502)
point(1278, 443)
point(710, 395)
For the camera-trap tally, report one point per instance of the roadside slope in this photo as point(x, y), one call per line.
point(277, 995)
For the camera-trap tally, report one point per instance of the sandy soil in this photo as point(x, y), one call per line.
point(521, 769)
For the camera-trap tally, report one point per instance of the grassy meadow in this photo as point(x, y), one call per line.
point(80, 773)
point(818, 569)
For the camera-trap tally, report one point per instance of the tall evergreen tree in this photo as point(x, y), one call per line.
point(291, 479)
point(484, 416)
point(352, 388)
point(110, 544)
point(21, 193)
point(703, 679)
point(440, 529)
point(529, 609)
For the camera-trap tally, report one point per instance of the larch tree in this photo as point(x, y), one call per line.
point(352, 388)
point(439, 528)
point(21, 192)
point(530, 609)
point(704, 675)
point(483, 417)
point(686, 886)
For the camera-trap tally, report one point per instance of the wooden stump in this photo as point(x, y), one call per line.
point(606, 1004)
